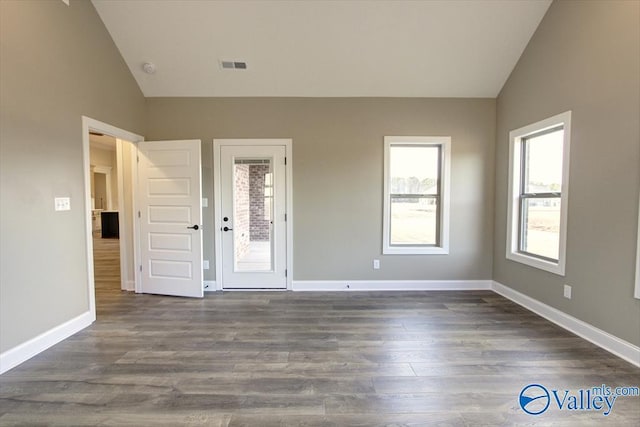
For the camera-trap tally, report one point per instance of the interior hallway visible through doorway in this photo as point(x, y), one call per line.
point(106, 265)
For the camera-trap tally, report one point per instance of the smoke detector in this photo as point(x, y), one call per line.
point(233, 65)
point(149, 67)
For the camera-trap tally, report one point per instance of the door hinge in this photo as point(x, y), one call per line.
point(285, 217)
point(138, 159)
point(285, 161)
point(140, 268)
point(285, 272)
point(139, 214)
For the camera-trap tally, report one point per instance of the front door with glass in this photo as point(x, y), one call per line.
point(253, 220)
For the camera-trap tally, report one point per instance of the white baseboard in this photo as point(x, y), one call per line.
point(209, 285)
point(130, 286)
point(390, 285)
point(25, 351)
point(605, 340)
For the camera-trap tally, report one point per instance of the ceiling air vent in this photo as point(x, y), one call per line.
point(233, 65)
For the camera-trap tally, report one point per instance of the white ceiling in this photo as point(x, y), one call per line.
point(450, 48)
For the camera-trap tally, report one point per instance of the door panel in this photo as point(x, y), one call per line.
point(253, 207)
point(169, 188)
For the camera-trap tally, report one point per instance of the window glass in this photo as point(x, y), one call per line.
point(544, 162)
point(413, 221)
point(541, 227)
point(414, 169)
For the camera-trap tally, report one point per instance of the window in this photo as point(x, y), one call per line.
point(416, 195)
point(538, 189)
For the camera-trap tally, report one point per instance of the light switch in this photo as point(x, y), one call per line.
point(205, 202)
point(205, 264)
point(62, 203)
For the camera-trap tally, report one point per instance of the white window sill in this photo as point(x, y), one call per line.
point(551, 267)
point(414, 250)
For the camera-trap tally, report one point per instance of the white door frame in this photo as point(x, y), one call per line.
point(217, 143)
point(89, 124)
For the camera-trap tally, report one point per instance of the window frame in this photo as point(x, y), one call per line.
point(518, 196)
point(442, 223)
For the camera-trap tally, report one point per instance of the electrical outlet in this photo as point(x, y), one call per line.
point(376, 264)
point(567, 291)
point(62, 203)
point(205, 264)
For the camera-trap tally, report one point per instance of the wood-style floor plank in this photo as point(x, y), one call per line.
point(307, 359)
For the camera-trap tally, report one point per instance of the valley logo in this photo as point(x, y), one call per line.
point(535, 399)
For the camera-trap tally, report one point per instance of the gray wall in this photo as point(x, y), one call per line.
point(58, 63)
point(337, 175)
point(584, 58)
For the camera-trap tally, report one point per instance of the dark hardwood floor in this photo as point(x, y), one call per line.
point(310, 359)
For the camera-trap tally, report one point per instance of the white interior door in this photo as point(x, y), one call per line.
point(170, 213)
point(252, 222)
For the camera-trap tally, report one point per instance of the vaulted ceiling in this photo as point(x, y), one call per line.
point(311, 48)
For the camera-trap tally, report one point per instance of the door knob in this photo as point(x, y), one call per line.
point(194, 227)
point(227, 229)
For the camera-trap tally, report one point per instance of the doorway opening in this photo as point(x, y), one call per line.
point(109, 170)
point(105, 212)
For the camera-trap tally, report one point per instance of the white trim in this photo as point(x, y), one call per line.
point(445, 143)
point(289, 209)
point(217, 212)
point(605, 340)
point(86, 165)
point(636, 294)
point(25, 351)
point(125, 285)
point(255, 290)
point(390, 285)
point(209, 285)
point(135, 221)
point(217, 144)
point(89, 124)
point(513, 207)
point(129, 285)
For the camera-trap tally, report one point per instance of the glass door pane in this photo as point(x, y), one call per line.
point(253, 220)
